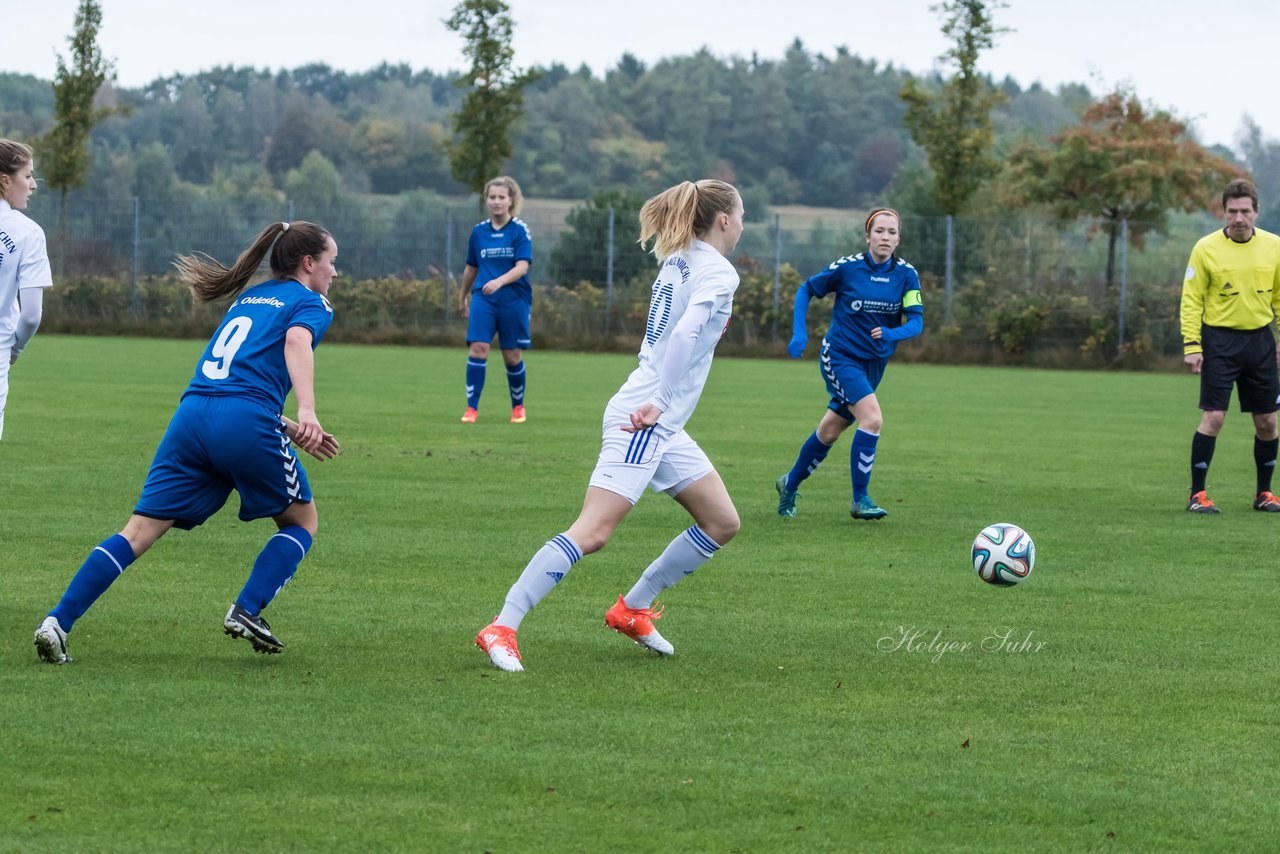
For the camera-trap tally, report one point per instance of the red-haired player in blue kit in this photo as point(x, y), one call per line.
point(874, 291)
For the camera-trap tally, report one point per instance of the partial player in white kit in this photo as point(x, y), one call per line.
point(694, 227)
point(24, 261)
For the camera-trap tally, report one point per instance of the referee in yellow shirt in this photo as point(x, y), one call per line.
point(1230, 297)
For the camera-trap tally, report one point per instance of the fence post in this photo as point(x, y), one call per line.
point(1030, 273)
point(608, 279)
point(133, 283)
point(950, 270)
point(1124, 283)
point(777, 271)
point(447, 279)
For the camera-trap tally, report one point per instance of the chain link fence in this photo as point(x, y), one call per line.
point(1015, 290)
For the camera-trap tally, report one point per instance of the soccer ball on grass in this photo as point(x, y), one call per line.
point(1003, 554)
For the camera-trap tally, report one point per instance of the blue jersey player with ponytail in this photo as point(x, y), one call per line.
point(229, 431)
point(877, 304)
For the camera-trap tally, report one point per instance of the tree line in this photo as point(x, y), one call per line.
point(806, 129)
point(809, 128)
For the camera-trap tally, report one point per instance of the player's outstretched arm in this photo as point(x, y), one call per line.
point(799, 322)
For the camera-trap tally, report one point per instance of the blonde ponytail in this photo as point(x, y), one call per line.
point(677, 215)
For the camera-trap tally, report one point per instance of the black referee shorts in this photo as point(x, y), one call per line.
point(1245, 358)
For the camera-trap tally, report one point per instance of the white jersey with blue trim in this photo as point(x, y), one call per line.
point(689, 311)
point(24, 263)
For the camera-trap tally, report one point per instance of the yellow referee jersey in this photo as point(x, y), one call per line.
point(1229, 284)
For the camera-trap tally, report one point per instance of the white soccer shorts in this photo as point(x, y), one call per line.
point(4, 383)
point(631, 461)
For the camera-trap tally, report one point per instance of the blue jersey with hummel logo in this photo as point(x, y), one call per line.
point(494, 251)
point(867, 295)
point(245, 357)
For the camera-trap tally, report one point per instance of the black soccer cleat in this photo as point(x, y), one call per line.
point(1266, 502)
point(240, 624)
point(1200, 503)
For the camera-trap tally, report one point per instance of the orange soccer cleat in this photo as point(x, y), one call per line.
point(637, 624)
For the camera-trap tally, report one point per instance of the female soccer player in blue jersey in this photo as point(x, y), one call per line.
point(24, 261)
point(874, 291)
point(495, 295)
point(228, 431)
point(694, 227)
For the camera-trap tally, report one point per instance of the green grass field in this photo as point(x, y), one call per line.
point(1145, 720)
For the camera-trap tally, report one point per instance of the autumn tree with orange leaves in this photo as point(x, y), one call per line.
point(1124, 161)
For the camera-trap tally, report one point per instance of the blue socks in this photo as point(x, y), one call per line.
point(475, 381)
point(103, 566)
point(276, 564)
point(812, 453)
point(861, 457)
point(515, 381)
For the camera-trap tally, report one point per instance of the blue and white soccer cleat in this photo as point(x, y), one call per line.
point(865, 508)
point(786, 498)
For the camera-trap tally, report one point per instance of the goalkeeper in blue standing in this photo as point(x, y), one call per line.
point(877, 304)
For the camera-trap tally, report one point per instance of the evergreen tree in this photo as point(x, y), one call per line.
point(482, 127)
point(581, 254)
point(953, 123)
point(64, 152)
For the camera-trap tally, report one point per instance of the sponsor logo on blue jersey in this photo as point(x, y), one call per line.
point(876, 305)
point(271, 301)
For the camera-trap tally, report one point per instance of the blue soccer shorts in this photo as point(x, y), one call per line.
point(848, 379)
point(506, 316)
point(214, 445)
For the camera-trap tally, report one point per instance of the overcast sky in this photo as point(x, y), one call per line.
point(1187, 57)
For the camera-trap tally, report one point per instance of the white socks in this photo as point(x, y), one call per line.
point(688, 551)
point(543, 573)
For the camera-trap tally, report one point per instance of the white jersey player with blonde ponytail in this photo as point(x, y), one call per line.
point(694, 227)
